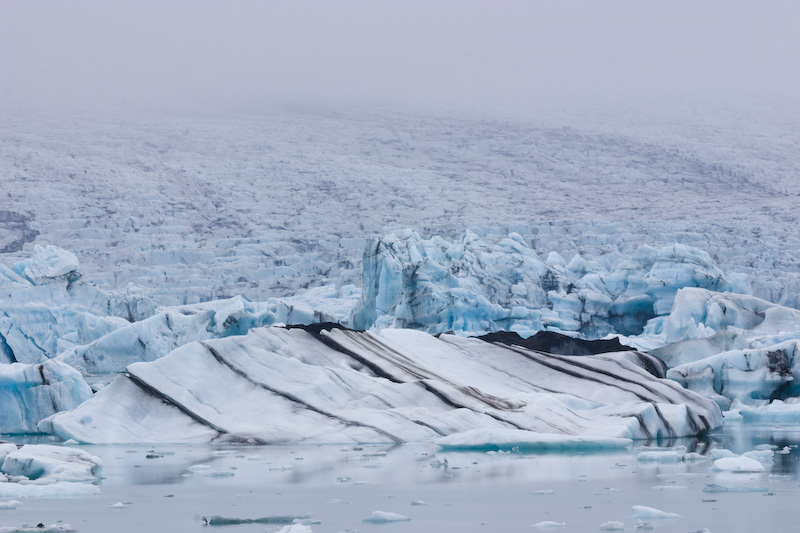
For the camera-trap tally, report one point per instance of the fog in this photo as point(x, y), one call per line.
point(229, 55)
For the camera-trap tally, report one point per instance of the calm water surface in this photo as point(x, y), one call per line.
point(170, 488)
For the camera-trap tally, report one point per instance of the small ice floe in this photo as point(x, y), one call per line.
point(611, 526)
point(648, 454)
point(255, 458)
point(772, 477)
point(206, 471)
point(549, 524)
point(39, 528)
point(296, 528)
point(693, 457)
point(337, 501)
point(384, 517)
point(670, 487)
point(216, 520)
point(649, 513)
point(306, 521)
point(732, 416)
point(282, 467)
point(714, 488)
point(544, 492)
point(737, 464)
point(10, 504)
point(641, 525)
point(784, 451)
point(119, 505)
point(221, 453)
point(418, 502)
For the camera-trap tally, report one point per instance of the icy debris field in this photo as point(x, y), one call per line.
point(411, 488)
point(192, 209)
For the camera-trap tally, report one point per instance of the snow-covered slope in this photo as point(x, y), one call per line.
point(278, 385)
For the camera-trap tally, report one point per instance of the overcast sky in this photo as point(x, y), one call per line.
point(166, 54)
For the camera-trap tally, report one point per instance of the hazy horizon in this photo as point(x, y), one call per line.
point(230, 55)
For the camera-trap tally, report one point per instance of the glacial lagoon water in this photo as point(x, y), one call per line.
point(335, 488)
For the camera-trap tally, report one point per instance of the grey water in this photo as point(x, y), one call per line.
point(335, 488)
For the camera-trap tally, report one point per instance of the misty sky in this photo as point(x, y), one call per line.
point(175, 54)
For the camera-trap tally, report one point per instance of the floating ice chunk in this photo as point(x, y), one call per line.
point(118, 505)
point(53, 528)
point(43, 464)
point(156, 336)
point(5, 449)
point(383, 517)
point(216, 520)
point(549, 524)
point(641, 525)
point(650, 513)
point(10, 504)
point(418, 502)
point(714, 488)
point(719, 453)
point(482, 439)
point(473, 287)
point(777, 412)
point(780, 477)
point(338, 501)
point(295, 528)
point(544, 492)
point(661, 455)
point(732, 416)
point(32, 392)
point(763, 456)
point(750, 376)
point(737, 464)
point(693, 457)
point(611, 526)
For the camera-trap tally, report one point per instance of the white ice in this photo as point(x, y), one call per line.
point(278, 385)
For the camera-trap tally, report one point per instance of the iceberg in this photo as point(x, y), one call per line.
point(471, 287)
point(154, 337)
point(315, 385)
point(385, 517)
point(45, 471)
point(698, 313)
point(753, 376)
point(29, 393)
point(650, 513)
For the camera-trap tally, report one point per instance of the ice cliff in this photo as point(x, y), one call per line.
point(471, 287)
